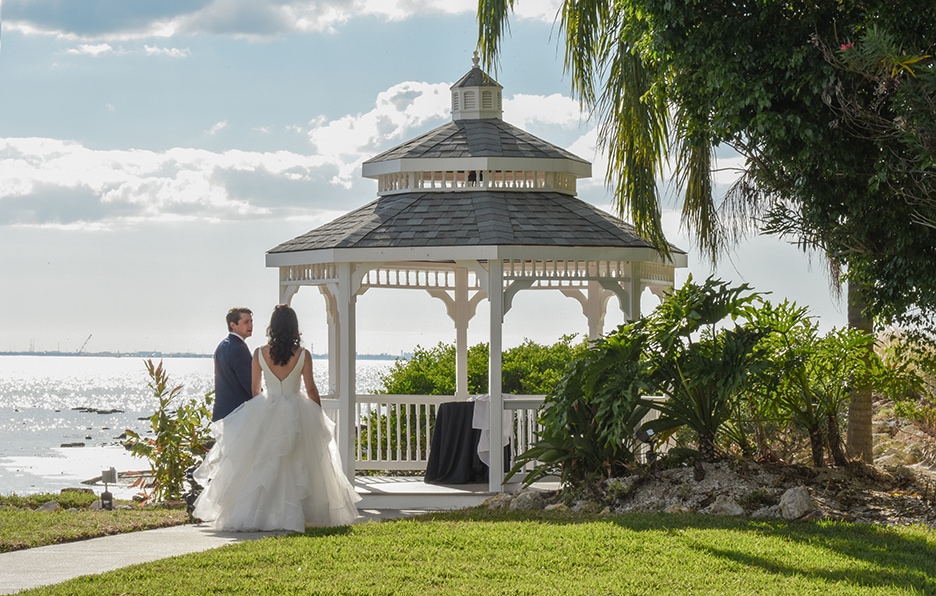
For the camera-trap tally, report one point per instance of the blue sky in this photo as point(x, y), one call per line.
point(151, 152)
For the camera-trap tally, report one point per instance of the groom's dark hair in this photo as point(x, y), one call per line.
point(234, 315)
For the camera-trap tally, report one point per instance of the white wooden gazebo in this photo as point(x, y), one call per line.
point(474, 210)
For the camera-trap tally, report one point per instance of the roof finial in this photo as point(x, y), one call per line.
point(475, 60)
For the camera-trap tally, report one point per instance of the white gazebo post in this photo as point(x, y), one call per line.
point(334, 352)
point(347, 389)
point(462, 316)
point(636, 288)
point(495, 376)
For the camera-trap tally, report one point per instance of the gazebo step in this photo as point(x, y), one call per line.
point(421, 501)
point(411, 492)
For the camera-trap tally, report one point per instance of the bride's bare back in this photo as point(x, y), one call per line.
point(282, 371)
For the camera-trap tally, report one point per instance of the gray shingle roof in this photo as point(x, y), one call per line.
point(476, 78)
point(470, 218)
point(488, 137)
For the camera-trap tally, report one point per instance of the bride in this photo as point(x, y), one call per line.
point(275, 464)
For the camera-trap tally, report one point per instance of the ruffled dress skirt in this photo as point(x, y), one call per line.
point(274, 466)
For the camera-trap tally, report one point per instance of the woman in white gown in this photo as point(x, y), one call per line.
point(275, 463)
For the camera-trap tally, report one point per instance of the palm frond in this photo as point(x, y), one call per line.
point(493, 24)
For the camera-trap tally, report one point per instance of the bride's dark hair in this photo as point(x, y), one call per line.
point(284, 334)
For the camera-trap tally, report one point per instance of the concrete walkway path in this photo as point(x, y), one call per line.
point(45, 565)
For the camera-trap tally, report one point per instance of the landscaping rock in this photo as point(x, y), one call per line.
point(527, 500)
point(617, 488)
point(49, 506)
point(678, 509)
point(498, 501)
point(888, 495)
point(724, 505)
point(771, 512)
point(586, 507)
point(796, 502)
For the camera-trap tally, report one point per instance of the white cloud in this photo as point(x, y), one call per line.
point(541, 10)
point(94, 19)
point(88, 49)
point(555, 109)
point(397, 112)
point(402, 9)
point(250, 18)
point(170, 52)
point(40, 178)
point(217, 127)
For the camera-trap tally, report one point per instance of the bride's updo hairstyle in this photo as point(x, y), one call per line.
point(284, 334)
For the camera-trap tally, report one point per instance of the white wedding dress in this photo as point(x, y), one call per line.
point(275, 464)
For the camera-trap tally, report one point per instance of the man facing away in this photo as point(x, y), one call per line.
point(232, 364)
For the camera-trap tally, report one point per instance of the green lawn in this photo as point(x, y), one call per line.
point(27, 529)
point(22, 527)
point(483, 552)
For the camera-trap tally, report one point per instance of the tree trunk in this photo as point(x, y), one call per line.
point(858, 434)
point(834, 436)
point(707, 447)
point(817, 445)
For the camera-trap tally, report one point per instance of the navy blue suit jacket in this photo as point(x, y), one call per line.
point(233, 368)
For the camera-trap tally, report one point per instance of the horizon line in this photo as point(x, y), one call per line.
point(160, 354)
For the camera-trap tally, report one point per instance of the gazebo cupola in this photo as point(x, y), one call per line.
point(476, 95)
point(477, 151)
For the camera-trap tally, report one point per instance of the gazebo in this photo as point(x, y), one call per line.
point(473, 210)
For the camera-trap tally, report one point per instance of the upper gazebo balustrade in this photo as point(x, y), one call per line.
point(472, 180)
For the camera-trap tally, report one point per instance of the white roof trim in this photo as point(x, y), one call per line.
point(581, 169)
point(474, 253)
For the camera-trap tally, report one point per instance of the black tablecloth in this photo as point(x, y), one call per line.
point(453, 454)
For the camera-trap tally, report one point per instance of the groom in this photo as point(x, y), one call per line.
point(232, 364)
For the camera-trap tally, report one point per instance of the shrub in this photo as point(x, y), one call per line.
point(66, 499)
point(589, 418)
point(528, 369)
point(181, 437)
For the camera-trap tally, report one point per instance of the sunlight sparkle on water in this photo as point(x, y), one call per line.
point(40, 397)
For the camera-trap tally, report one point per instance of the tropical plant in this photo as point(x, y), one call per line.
point(789, 334)
point(700, 364)
point(589, 420)
point(815, 377)
point(180, 436)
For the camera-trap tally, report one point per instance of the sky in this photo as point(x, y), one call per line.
point(152, 152)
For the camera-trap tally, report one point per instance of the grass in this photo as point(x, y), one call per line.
point(478, 551)
point(22, 527)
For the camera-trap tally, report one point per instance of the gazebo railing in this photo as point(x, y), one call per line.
point(394, 432)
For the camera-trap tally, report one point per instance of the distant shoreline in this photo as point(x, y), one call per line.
point(175, 355)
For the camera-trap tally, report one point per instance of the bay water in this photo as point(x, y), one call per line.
point(62, 417)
